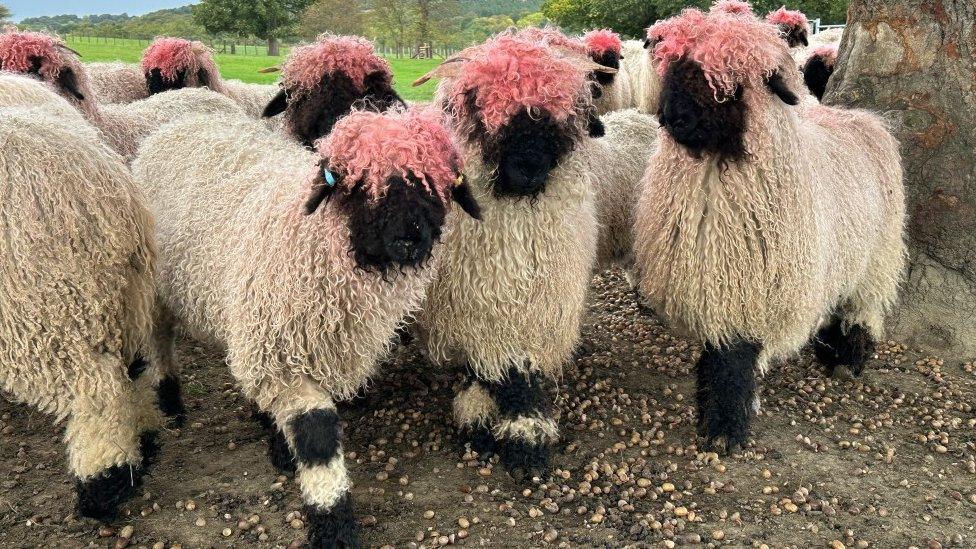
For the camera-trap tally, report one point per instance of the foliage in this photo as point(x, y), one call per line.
point(4, 13)
point(266, 19)
point(516, 9)
point(334, 16)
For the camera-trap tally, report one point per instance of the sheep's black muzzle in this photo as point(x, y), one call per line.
point(526, 151)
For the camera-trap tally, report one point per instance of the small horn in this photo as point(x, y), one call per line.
point(449, 68)
point(268, 70)
point(65, 47)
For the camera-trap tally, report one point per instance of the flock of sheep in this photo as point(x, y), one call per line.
point(307, 227)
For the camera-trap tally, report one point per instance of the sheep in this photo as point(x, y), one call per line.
point(793, 25)
point(761, 223)
point(117, 82)
point(77, 293)
point(635, 68)
point(510, 292)
point(818, 68)
point(604, 47)
point(301, 264)
point(733, 7)
point(323, 81)
point(176, 63)
point(124, 125)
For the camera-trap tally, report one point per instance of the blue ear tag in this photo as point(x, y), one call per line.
point(330, 178)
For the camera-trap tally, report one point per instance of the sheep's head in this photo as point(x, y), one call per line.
point(715, 72)
point(793, 25)
point(323, 81)
point(818, 69)
point(522, 104)
point(604, 47)
point(175, 63)
point(48, 59)
point(394, 175)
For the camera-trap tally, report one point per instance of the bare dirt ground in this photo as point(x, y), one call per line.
point(883, 461)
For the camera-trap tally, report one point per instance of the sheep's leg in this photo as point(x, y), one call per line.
point(474, 411)
point(278, 452)
point(842, 343)
point(168, 391)
point(525, 428)
point(308, 420)
point(103, 439)
point(726, 391)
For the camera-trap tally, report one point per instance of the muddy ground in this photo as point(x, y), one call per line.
point(883, 461)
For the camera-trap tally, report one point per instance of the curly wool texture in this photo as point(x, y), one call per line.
point(602, 41)
point(242, 265)
point(554, 38)
point(828, 53)
point(829, 37)
point(792, 18)
point(174, 55)
point(619, 94)
point(509, 74)
point(637, 69)
point(736, 7)
point(352, 56)
point(78, 285)
point(809, 223)
point(18, 49)
point(371, 147)
point(117, 82)
point(18, 90)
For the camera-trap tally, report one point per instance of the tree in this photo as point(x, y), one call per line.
point(4, 13)
point(388, 19)
point(267, 19)
point(433, 19)
point(914, 60)
point(335, 16)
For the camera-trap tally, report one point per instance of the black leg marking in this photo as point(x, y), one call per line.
point(316, 434)
point(279, 453)
point(524, 460)
point(726, 386)
point(170, 401)
point(149, 447)
point(522, 395)
point(333, 529)
point(835, 348)
point(483, 442)
point(100, 497)
point(137, 367)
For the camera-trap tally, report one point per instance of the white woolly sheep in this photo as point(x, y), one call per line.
point(818, 69)
point(510, 292)
point(761, 221)
point(324, 80)
point(117, 82)
point(78, 290)
point(301, 264)
point(123, 126)
point(604, 47)
point(635, 67)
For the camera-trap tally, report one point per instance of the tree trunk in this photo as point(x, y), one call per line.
point(272, 47)
point(915, 61)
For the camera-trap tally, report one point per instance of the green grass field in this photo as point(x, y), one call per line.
point(246, 67)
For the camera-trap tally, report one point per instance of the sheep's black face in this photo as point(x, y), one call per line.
point(157, 84)
point(608, 59)
point(816, 74)
point(397, 231)
point(794, 35)
point(523, 152)
point(312, 115)
point(694, 118)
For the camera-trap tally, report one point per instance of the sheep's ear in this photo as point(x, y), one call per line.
point(69, 82)
point(596, 127)
point(778, 86)
point(461, 193)
point(323, 187)
point(277, 105)
point(203, 78)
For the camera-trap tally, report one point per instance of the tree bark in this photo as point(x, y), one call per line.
point(915, 61)
point(272, 47)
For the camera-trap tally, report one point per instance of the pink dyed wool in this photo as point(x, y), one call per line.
point(509, 74)
point(784, 16)
point(827, 52)
point(732, 6)
point(601, 41)
point(370, 148)
point(350, 55)
point(554, 38)
point(731, 50)
point(19, 49)
point(172, 55)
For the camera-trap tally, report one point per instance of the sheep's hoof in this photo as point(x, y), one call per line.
point(170, 401)
point(332, 529)
point(524, 460)
point(842, 373)
point(713, 426)
point(99, 497)
point(279, 453)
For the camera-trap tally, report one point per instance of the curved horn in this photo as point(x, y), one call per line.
point(65, 47)
point(448, 69)
point(268, 70)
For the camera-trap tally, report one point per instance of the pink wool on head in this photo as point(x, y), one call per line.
point(509, 74)
point(827, 52)
point(371, 147)
point(350, 55)
point(737, 7)
point(554, 38)
point(18, 50)
point(731, 50)
point(784, 16)
point(601, 41)
point(172, 55)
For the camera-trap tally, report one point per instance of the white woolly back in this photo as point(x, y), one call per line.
point(117, 82)
point(17, 90)
point(78, 282)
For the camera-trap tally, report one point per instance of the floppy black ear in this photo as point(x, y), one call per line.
point(596, 126)
point(647, 43)
point(277, 105)
point(69, 82)
point(155, 82)
point(778, 86)
point(462, 194)
point(323, 187)
point(203, 77)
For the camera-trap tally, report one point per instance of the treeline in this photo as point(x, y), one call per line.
point(175, 22)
